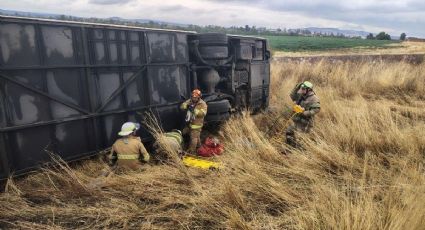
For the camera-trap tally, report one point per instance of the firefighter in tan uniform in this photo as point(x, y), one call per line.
point(129, 151)
point(196, 111)
point(170, 141)
point(307, 105)
point(174, 139)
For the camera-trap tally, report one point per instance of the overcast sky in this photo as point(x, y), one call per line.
point(391, 16)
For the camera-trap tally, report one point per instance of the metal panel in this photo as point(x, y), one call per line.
point(3, 115)
point(65, 85)
point(259, 50)
point(182, 50)
point(66, 135)
point(170, 117)
point(258, 74)
point(244, 49)
point(4, 161)
point(166, 84)
point(162, 47)
point(110, 125)
point(26, 106)
point(135, 92)
point(260, 80)
point(28, 147)
point(58, 43)
point(18, 45)
point(256, 99)
point(108, 82)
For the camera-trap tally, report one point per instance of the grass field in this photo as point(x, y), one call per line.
point(362, 167)
point(301, 43)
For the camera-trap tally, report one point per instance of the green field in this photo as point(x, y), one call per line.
point(301, 43)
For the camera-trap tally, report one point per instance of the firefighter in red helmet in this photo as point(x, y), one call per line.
point(196, 110)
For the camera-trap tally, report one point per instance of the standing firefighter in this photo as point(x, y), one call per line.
point(129, 151)
point(307, 104)
point(196, 111)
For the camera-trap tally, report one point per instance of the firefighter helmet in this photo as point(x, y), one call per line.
point(196, 93)
point(128, 128)
point(307, 85)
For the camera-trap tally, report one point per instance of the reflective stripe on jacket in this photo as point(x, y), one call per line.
point(177, 136)
point(129, 148)
point(128, 156)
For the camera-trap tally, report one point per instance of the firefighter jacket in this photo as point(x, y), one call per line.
point(310, 102)
point(129, 151)
point(196, 113)
point(174, 140)
point(175, 136)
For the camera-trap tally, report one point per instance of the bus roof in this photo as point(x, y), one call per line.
point(44, 20)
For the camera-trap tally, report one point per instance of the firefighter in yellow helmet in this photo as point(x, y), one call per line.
point(129, 151)
point(196, 110)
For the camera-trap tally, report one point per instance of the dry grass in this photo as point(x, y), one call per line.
point(361, 168)
point(407, 47)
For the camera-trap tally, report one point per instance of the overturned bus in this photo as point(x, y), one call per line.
point(67, 87)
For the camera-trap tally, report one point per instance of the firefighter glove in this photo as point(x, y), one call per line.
point(297, 109)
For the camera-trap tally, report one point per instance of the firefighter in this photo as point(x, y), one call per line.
point(129, 151)
point(175, 140)
point(172, 140)
point(306, 106)
point(196, 110)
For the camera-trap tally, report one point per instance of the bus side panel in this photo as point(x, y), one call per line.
point(65, 88)
point(259, 82)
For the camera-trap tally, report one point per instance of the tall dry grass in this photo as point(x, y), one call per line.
point(362, 167)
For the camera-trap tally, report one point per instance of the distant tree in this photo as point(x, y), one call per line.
point(253, 30)
point(403, 36)
point(383, 36)
point(370, 36)
point(305, 32)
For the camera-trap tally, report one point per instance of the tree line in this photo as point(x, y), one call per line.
point(244, 30)
point(384, 36)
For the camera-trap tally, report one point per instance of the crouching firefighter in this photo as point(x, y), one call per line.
point(306, 105)
point(196, 111)
point(169, 141)
point(128, 151)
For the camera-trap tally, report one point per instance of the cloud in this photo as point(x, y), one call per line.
point(172, 8)
point(109, 2)
point(393, 16)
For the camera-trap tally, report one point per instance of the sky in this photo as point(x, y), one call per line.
point(391, 16)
